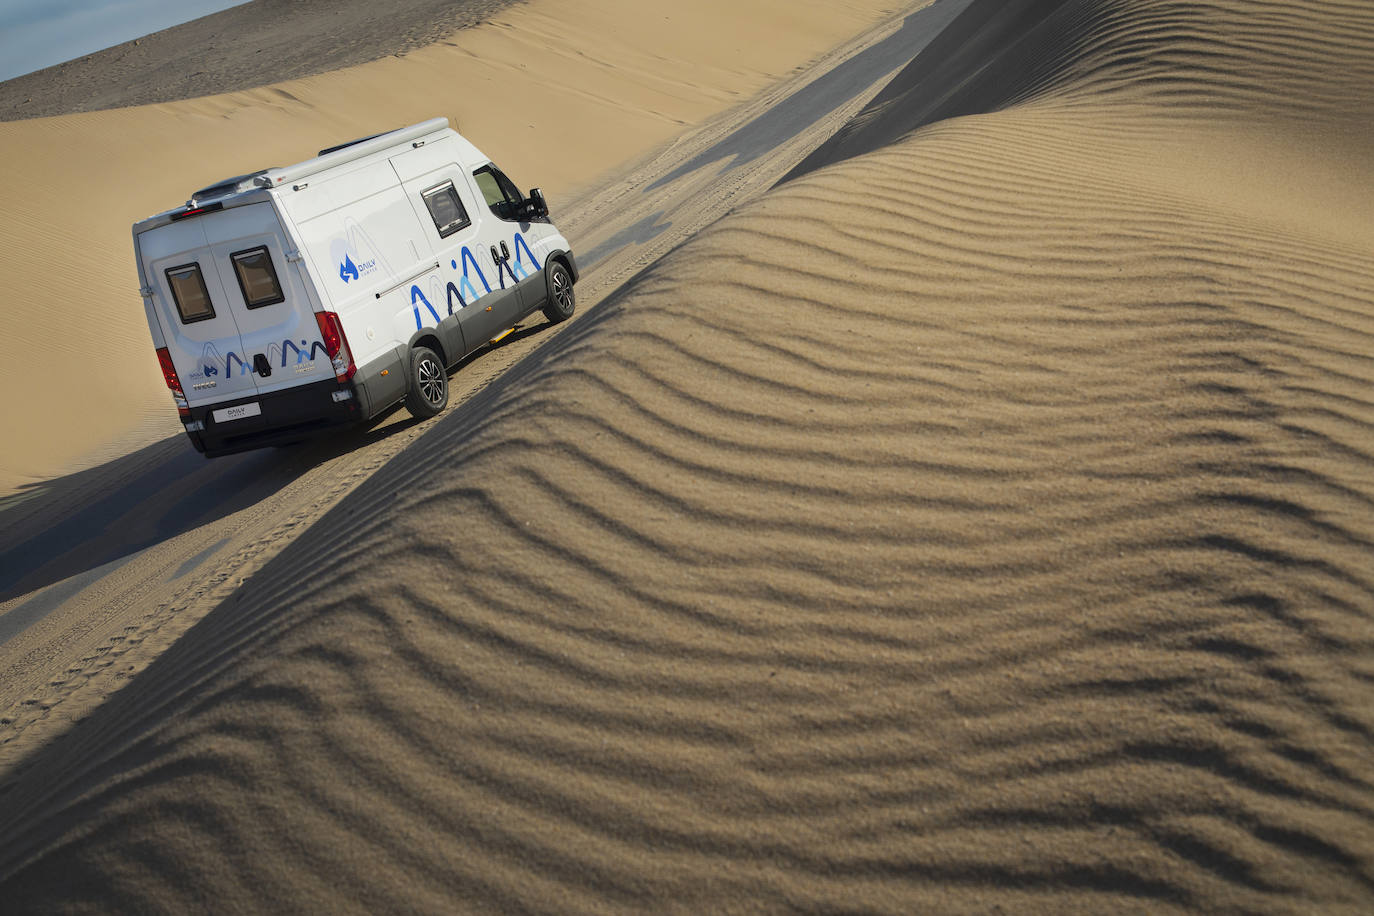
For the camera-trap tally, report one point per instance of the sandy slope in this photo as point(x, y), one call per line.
point(556, 93)
point(256, 43)
point(982, 521)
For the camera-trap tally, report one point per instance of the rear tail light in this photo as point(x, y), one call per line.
point(336, 345)
point(169, 375)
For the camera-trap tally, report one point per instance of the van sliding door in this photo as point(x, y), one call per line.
point(458, 229)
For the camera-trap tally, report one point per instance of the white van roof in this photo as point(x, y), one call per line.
point(416, 134)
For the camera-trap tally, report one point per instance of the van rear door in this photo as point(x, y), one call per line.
point(264, 290)
point(193, 310)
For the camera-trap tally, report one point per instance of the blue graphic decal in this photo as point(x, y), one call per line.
point(453, 293)
point(244, 368)
point(300, 354)
point(519, 262)
point(463, 291)
point(348, 270)
point(305, 353)
point(417, 296)
point(466, 286)
point(503, 267)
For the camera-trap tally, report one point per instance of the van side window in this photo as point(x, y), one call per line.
point(446, 209)
point(257, 277)
point(188, 289)
point(500, 192)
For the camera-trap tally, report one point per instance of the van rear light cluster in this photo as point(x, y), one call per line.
point(169, 375)
point(336, 345)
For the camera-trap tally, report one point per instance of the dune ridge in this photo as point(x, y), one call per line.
point(980, 521)
point(247, 46)
point(1152, 61)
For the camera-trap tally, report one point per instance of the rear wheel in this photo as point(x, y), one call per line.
point(428, 391)
point(562, 301)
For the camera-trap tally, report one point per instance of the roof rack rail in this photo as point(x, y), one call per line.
point(349, 152)
point(335, 149)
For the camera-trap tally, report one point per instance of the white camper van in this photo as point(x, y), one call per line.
point(299, 298)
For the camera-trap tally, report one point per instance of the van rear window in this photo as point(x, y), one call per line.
point(188, 289)
point(446, 209)
point(257, 277)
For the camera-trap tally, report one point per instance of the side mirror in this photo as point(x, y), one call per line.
point(538, 206)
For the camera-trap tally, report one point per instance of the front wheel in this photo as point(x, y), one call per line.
point(562, 301)
point(428, 392)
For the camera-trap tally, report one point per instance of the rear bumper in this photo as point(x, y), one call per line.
point(287, 416)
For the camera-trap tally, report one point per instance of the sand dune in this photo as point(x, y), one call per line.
point(254, 44)
point(979, 521)
point(558, 95)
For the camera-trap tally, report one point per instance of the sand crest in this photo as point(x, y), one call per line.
point(980, 521)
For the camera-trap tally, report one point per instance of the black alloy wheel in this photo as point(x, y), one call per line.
point(562, 301)
point(428, 392)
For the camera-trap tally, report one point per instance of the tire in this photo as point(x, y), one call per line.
point(562, 300)
point(427, 393)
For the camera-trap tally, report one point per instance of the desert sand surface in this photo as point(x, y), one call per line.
point(978, 521)
point(102, 569)
point(558, 94)
point(246, 46)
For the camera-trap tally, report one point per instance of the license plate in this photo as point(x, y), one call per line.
point(237, 413)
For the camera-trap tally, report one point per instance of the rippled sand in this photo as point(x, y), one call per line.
point(982, 520)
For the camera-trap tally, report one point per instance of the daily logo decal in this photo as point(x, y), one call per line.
point(348, 270)
point(355, 254)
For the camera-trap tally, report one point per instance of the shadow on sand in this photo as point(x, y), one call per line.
point(95, 520)
point(97, 517)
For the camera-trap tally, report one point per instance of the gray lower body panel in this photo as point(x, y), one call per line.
point(382, 382)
